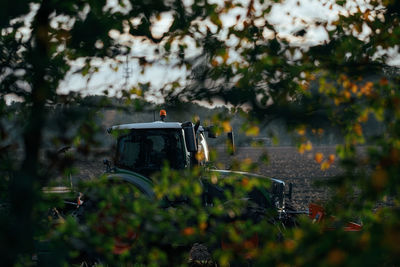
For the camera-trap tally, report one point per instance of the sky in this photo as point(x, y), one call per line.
point(288, 17)
point(162, 73)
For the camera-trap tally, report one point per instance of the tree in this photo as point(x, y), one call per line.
point(260, 69)
point(32, 66)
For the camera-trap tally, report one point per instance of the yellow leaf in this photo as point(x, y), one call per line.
point(202, 226)
point(308, 146)
point(298, 234)
point(367, 88)
point(366, 15)
point(347, 94)
point(253, 131)
point(357, 27)
point(226, 56)
point(325, 165)
point(245, 182)
point(214, 63)
point(358, 129)
point(354, 88)
point(301, 131)
point(200, 156)
point(305, 86)
point(363, 117)
point(319, 157)
point(227, 126)
point(290, 245)
point(346, 84)
point(188, 231)
point(331, 158)
point(246, 162)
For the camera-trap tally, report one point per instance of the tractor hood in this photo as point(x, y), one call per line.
point(146, 185)
point(225, 173)
point(275, 189)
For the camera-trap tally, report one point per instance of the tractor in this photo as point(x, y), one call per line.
point(142, 149)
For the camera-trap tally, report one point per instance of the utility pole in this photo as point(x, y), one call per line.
point(127, 73)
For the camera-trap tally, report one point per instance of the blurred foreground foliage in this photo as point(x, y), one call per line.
point(342, 83)
point(121, 225)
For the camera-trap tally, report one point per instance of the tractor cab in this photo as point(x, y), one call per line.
point(146, 147)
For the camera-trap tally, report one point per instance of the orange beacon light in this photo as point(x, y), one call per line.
point(163, 114)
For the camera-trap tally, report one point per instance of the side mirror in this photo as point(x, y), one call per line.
point(231, 143)
point(289, 194)
point(190, 137)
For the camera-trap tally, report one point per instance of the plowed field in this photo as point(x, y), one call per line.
point(287, 164)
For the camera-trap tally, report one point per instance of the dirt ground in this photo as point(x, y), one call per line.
point(285, 163)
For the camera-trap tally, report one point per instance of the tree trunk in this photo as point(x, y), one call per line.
point(25, 184)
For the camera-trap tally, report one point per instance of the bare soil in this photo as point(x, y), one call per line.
point(288, 165)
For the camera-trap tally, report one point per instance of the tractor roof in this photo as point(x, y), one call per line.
point(148, 125)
